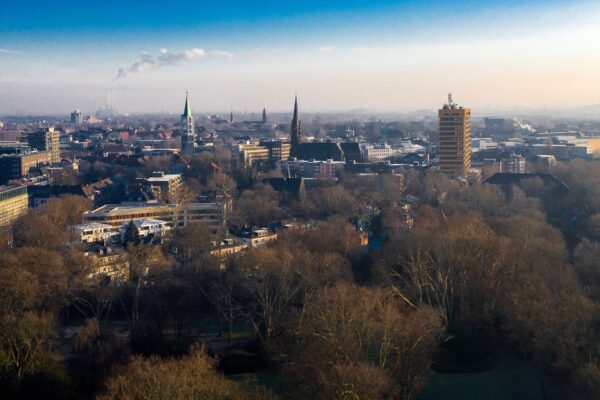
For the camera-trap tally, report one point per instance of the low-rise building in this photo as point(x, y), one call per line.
point(310, 169)
point(94, 232)
point(562, 151)
point(372, 152)
point(41, 193)
point(107, 264)
point(259, 238)
point(147, 227)
point(215, 213)
point(228, 247)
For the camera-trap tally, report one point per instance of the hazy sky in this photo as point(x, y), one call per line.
point(56, 56)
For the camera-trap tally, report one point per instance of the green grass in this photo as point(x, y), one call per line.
point(265, 378)
point(509, 379)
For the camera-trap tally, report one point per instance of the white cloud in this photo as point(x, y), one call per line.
point(147, 62)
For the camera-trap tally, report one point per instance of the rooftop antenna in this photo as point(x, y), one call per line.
point(450, 99)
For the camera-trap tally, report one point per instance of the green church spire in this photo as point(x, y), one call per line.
point(187, 111)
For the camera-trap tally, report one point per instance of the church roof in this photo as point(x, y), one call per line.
point(291, 185)
point(351, 151)
point(321, 151)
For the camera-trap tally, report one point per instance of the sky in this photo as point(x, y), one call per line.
point(56, 56)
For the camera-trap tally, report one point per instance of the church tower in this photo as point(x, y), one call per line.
point(188, 137)
point(296, 132)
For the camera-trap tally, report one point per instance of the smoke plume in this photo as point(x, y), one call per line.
point(148, 62)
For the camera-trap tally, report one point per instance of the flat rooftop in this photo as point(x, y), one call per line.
point(164, 178)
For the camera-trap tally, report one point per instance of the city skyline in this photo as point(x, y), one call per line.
point(388, 56)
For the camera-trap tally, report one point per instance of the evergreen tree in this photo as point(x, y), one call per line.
point(132, 235)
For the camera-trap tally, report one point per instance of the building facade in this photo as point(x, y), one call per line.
point(259, 238)
point(515, 164)
point(454, 149)
point(147, 227)
point(251, 153)
point(17, 166)
point(311, 169)
point(77, 117)
point(46, 140)
point(13, 203)
point(94, 232)
point(377, 152)
point(164, 187)
point(214, 214)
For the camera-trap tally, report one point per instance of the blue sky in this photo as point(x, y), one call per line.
point(387, 55)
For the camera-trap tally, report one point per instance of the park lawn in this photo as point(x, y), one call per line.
point(509, 379)
point(265, 378)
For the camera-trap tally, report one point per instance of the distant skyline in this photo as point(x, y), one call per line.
point(341, 55)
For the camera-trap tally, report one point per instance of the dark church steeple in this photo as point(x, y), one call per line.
point(296, 132)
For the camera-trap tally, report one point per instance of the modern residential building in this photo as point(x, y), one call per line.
point(94, 232)
point(46, 139)
point(164, 187)
point(147, 227)
point(515, 164)
point(259, 238)
point(13, 203)
point(454, 149)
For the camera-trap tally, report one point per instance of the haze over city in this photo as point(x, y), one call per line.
point(310, 199)
point(380, 56)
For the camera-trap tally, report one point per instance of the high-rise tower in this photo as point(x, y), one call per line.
point(76, 117)
point(296, 132)
point(188, 137)
point(454, 150)
point(46, 139)
point(264, 116)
